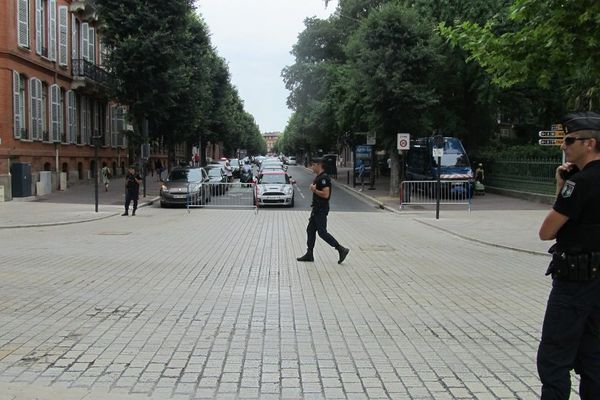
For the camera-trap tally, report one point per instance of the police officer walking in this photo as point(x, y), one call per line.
point(321, 189)
point(132, 190)
point(571, 329)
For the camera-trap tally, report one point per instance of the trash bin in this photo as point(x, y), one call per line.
point(20, 179)
point(330, 164)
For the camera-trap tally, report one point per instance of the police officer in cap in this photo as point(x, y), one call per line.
point(321, 189)
point(132, 190)
point(571, 329)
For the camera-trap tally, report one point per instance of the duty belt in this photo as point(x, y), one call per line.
point(582, 267)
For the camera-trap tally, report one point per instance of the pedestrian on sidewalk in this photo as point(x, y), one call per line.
point(317, 223)
point(571, 329)
point(132, 190)
point(361, 174)
point(106, 174)
point(229, 171)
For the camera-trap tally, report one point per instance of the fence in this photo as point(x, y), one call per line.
point(221, 195)
point(528, 175)
point(424, 192)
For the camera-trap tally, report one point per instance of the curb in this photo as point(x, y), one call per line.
point(383, 206)
point(81, 221)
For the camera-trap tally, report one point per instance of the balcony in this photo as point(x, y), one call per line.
point(88, 76)
point(85, 10)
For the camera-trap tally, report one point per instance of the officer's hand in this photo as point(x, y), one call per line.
point(561, 170)
point(313, 187)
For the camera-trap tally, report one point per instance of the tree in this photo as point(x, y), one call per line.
point(553, 43)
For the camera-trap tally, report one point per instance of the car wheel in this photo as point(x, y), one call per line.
point(292, 203)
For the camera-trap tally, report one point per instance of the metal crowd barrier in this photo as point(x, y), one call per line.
point(424, 192)
point(222, 195)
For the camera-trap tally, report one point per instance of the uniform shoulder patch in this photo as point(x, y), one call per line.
point(567, 189)
point(323, 181)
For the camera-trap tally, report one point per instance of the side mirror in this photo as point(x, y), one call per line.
point(293, 181)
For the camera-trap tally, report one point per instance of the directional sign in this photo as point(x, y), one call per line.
point(550, 134)
point(404, 141)
point(551, 142)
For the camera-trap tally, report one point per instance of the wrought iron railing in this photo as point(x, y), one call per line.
point(87, 69)
point(530, 175)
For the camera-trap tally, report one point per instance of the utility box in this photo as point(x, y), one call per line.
point(1, 193)
point(21, 179)
point(63, 181)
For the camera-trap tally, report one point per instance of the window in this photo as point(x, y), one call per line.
point(45, 135)
point(52, 30)
point(18, 105)
point(40, 27)
point(92, 44)
point(117, 124)
point(23, 23)
point(55, 113)
point(86, 129)
point(35, 109)
point(63, 21)
point(74, 36)
point(61, 116)
point(71, 117)
point(85, 40)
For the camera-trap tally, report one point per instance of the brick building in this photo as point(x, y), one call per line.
point(52, 97)
point(271, 138)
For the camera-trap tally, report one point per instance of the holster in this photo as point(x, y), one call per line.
point(582, 267)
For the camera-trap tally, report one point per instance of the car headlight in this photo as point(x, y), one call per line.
point(259, 190)
point(289, 190)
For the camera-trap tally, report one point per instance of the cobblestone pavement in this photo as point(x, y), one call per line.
point(212, 304)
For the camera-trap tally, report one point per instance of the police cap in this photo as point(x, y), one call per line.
point(317, 160)
point(581, 121)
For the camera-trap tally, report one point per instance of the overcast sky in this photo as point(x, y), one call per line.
point(256, 37)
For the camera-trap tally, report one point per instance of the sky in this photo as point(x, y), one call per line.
point(255, 37)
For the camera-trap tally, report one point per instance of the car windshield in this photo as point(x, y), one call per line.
point(454, 155)
point(275, 178)
point(213, 172)
point(234, 162)
point(184, 175)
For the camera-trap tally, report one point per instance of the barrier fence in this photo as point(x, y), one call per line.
point(424, 192)
point(222, 195)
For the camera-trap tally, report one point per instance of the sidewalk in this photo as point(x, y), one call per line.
point(494, 220)
point(75, 205)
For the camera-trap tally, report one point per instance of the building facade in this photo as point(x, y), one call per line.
point(271, 139)
point(52, 94)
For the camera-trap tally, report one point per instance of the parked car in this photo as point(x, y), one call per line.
point(235, 165)
point(217, 179)
point(291, 160)
point(275, 188)
point(183, 182)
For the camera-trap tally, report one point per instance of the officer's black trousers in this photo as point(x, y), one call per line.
point(571, 340)
point(318, 224)
point(129, 196)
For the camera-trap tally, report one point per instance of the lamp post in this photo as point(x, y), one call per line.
point(97, 142)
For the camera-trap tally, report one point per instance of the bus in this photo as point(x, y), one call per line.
point(455, 165)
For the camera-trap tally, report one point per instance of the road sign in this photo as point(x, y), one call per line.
point(557, 127)
point(403, 141)
point(438, 152)
point(551, 134)
point(551, 142)
point(371, 138)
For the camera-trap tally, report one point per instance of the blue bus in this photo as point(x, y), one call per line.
point(421, 165)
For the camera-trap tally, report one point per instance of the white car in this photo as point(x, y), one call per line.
point(291, 160)
point(275, 188)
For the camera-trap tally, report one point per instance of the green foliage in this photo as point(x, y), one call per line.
point(500, 151)
point(551, 42)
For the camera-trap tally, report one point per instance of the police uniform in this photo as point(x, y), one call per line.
point(132, 191)
point(317, 222)
point(571, 329)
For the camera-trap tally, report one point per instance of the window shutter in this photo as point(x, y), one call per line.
point(17, 106)
point(23, 23)
point(35, 109)
point(63, 22)
point(32, 114)
point(92, 50)
point(39, 36)
point(52, 30)
point(38, 108)
point(54, 112)
point(85, 40)
point(74, 39)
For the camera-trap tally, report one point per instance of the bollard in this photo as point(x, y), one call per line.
point(347, 177)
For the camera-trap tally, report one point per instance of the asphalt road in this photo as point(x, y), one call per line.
point(341, 200)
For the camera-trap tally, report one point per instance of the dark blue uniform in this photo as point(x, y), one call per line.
point(318, 217)
point(132, 191)
point(571, 330)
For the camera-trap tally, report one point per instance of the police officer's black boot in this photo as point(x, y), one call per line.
point(307, 257)
point(343, 253)
point(133, 213)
